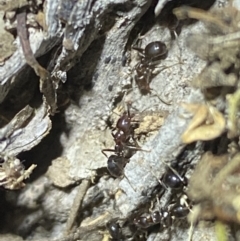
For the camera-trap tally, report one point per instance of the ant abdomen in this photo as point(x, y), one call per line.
point(155, 49)
point(180, 211)
point(114, 230)
point(171, 180)
point(116, 164)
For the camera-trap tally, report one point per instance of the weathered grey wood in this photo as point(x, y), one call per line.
point(90, 47)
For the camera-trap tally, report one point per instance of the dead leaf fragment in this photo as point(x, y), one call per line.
point(25, 130)
point(46, 83)
point(58, 172)
point(13, 173)
point(207, 123)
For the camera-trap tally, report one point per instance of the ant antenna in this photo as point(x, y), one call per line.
point(129, 182)
point(160, 182)
point(129, 103)
point(153, 90)
point(161, 99)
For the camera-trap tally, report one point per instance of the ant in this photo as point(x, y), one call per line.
point(180, 209)
point(124, 132)
point(123, 149)
point(150, 57)
point(164, 216)
point(114, 230)
point(172, 179)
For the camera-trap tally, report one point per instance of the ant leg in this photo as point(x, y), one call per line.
point(112, 132)
point(148, 32)
point(135, 148)
point(129, 104)
point(158, 179)
point(129, 182)
point(162, 100)
point(163, 67)
point(105, 150)
point(140, 50)
point(116, 166)
point(135, 45)
point(135, 142)
point(190, 231)
point(157, 215)
point(184, 201)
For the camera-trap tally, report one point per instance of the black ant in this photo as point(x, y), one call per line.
point(176, 182)
point(124, 149)
point(150, 57)
point(172, 179)
point(124, 132)
point(114, 230)
point(164, 216)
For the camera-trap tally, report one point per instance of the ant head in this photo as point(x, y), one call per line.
point(124, 123)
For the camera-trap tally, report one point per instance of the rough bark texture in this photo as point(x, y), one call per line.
point(85, 50)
